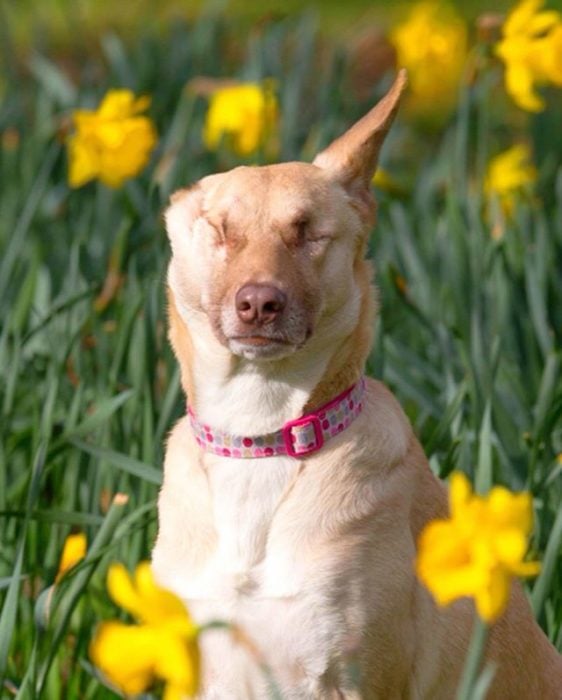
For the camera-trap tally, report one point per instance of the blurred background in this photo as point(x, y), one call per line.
point(107, 107)
point(68, 22)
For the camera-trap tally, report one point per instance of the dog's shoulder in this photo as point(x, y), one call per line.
point(385, 427)
point(397, 450)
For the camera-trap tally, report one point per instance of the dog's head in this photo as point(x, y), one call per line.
point(268, 255)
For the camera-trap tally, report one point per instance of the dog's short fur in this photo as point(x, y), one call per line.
point(312, 558)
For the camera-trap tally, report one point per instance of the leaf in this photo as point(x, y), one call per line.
point(124, 462)
point(104, 410)
point(484, 477)
point(62, 608)
point(53, 80)
point(9, 608)
point(549, 564)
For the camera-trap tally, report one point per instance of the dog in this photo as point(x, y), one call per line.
point(294, 489)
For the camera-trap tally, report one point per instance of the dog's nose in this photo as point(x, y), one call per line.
point(259, 303)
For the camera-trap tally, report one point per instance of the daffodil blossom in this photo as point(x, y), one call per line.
point(479, 549)
point(243, 115)
point(162, 647)
point(431, 44)
point(112, 143)
point(531, 49)
point(509, 173)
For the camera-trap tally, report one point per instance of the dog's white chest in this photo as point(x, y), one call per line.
point(245, 495)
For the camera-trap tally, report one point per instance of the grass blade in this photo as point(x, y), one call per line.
point(123, 462)
point(549, 563)
point(9, 609)
point(104, 410)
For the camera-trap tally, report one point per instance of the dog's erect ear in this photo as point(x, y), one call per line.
point(352, 158)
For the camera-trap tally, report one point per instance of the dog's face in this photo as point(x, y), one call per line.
point(267, 254)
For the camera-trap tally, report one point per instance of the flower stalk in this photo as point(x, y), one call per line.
point(473, 660)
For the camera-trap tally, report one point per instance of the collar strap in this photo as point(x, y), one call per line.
point(297, 438)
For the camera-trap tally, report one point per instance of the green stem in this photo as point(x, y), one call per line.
point(8, 614)
point(80, 581)
point(473, 659)
point(548, 568)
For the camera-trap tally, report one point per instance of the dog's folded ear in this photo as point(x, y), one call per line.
point(352, 158)
point(184, 209)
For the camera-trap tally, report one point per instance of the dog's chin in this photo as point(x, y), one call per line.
point(260, 348)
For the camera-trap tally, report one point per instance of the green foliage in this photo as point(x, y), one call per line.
point(469, 334)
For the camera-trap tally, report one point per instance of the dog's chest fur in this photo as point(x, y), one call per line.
point(245, 497)
point(244, 494)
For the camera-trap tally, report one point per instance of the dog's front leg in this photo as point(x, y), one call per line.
point(304, 644)
point(294, 652)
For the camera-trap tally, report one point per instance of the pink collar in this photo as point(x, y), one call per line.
point(297, 438)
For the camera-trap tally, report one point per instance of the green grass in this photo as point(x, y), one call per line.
point(68, 22)
point(472, 345)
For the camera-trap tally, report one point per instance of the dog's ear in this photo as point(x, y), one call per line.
point(352, 158)
point(184, 210)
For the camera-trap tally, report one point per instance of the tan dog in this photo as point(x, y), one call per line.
point(271, 316)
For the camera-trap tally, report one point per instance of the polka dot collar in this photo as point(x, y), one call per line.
point(297, 438)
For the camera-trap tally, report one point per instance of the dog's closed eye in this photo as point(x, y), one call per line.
point(301, 226)
point(307, 233)
point(222, 233)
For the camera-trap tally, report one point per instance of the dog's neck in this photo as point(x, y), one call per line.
point(242, 397)
point(245, 397)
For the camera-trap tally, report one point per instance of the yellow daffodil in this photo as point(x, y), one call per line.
point(431, 44)
point(73, 551)
point(162, 647)
point(112, 143)
point(508, 174)
point(245, 116)
point(531, 49)
point(479, 549)
point(385, 181)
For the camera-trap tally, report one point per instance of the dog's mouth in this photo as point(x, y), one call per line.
point(254, 346)
point(260, 340)
point(263, 339)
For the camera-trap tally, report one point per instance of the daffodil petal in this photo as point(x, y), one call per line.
point(510, 546)
point(177, 661)
point(173, 692)
point(83, 161)
point(74, 549)
point(491, 600)
point(543, 21)
point(125, 655)
point(520, 16)
point(527, 569)
point(122, 590)
point(508, 509)
point(160, 606)
point(459, 492)
point(117, 104)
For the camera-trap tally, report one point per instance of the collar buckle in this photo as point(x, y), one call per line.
point(298, 443)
